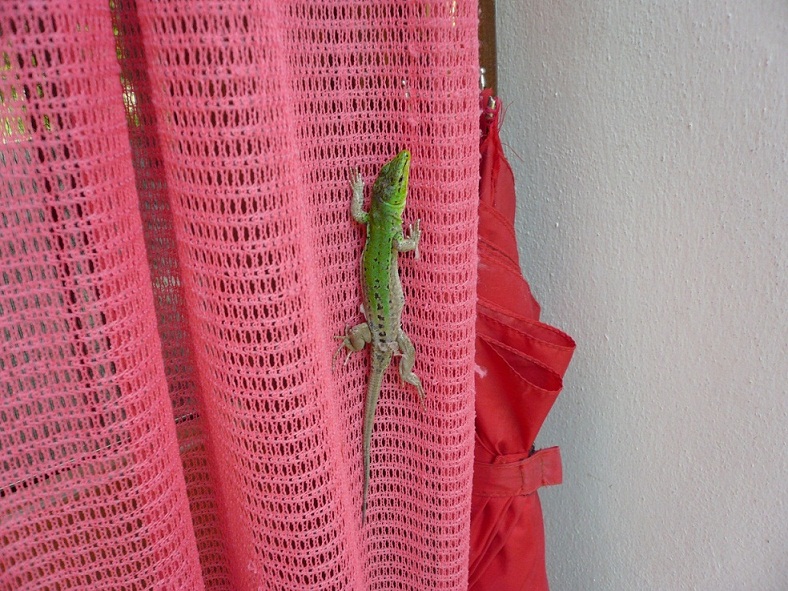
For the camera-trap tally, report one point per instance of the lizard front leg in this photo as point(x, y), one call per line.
point(403, 244)
point(357, 202)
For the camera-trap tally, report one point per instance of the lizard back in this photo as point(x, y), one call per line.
point(383, 297)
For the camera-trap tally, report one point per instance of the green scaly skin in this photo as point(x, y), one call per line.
point(383, 298)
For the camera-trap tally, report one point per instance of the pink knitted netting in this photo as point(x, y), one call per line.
point(177, 254)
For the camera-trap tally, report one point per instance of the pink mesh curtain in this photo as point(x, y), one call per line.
point(177, 254)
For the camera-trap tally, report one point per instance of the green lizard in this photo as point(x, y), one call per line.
point(382, 294)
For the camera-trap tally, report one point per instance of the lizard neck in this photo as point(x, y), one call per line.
point(383, 210)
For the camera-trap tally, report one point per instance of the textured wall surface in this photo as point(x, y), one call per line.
point(650, 143)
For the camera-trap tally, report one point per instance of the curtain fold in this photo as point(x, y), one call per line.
point(90, 462)
point(177, 255)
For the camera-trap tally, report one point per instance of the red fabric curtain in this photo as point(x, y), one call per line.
point(177, 254)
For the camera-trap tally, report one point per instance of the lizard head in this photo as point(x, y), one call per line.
point(392, 182)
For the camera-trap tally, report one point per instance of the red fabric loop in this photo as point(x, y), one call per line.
point(518, 477)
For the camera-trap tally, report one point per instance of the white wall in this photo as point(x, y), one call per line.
point(650, 141)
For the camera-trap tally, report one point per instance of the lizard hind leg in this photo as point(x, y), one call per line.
point(353, 340)
point(406, 364)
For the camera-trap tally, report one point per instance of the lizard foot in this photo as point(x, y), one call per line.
point(344, 345)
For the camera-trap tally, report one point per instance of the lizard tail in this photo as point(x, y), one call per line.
point(380, 362)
